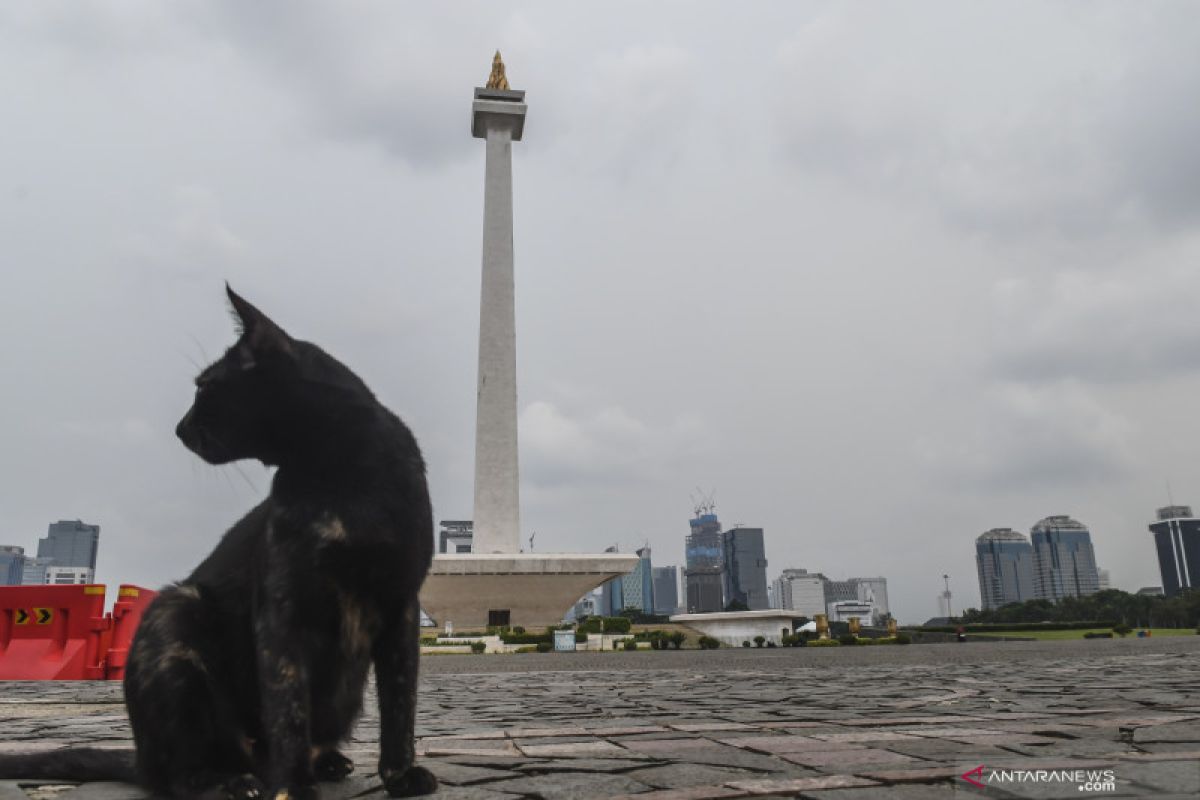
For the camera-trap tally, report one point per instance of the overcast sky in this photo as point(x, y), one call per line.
point(884, 275)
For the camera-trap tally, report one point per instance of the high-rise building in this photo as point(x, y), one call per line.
point(612, 593)
point(34, 571)
point(873, 591)
point(704, 555)
point(1064, 563)
point(840, 591)
point(666, 589)
point(70, 543)
point(745, 567)
point(1177, 540)
point(1005, 561)
point(638, 585)
point(12, 564)
point(455, 536)
point(801, 591)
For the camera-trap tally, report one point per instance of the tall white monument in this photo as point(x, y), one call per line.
point(498, 116)
point(497, 584)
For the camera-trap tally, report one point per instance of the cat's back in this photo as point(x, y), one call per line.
point(230, 566)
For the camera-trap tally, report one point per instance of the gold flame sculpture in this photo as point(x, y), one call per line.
point(822, 626)
point(497, 80)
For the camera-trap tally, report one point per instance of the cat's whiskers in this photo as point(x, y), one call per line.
point(245, 477)
point(191, 361)
point(200, 347)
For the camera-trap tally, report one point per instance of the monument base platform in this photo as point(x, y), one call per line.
point(474, 590)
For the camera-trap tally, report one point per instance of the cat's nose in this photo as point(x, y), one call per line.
point(181, 428)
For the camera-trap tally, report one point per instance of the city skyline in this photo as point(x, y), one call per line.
point(908, 287)
point(66, 554)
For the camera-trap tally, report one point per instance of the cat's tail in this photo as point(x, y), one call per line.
point(72, 764)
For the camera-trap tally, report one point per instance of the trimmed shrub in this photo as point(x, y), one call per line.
point(630, 644)
point(708, 643)
point(759, 641)
point(745, 644)
point(1122, 630)
point(544, 647)
point(847, 639)
point(525, 638)
point(478, 647)
point(1095, 635)
point(770, 644)
point(677, 638)
point(823, 643)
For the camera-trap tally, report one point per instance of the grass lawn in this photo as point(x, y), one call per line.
point(1078, 634)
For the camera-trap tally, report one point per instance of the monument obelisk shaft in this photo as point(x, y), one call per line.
point(498, 117)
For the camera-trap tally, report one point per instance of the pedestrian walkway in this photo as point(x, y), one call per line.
point(899, 723)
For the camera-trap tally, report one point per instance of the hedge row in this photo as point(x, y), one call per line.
point(1016, 626)
point(535, 638)
point(610, 625)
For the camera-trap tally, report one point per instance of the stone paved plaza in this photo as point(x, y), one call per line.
point(836, 724)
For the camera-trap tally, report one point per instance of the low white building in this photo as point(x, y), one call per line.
point(843, 610)
point(62, 576)
point(731, 628)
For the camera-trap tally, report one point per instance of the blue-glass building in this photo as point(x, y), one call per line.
point(1177, 541)
point(704, 556)
point(638, 585)
point(1064, 563)
point(1005, 561)
point(666, 589)
point(12, 565)
point(745, 568)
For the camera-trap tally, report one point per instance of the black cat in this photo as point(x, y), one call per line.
point(245, 677)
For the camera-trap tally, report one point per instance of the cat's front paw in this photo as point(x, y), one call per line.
point(408, 783)
point(330, 765)
point(306, 792)
point(236, 787)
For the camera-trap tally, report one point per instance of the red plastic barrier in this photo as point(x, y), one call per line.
point(52, 632)
point(126, 614)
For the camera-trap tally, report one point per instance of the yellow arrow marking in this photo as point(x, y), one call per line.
point(22, 617)
point(44, 615)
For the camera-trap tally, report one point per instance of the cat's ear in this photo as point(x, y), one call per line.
point(257, 330)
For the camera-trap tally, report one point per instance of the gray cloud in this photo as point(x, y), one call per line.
point(1051, 120)
point(1133, 326)
point(1020, 440)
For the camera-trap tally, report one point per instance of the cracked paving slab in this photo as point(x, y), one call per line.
point(867, 722)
